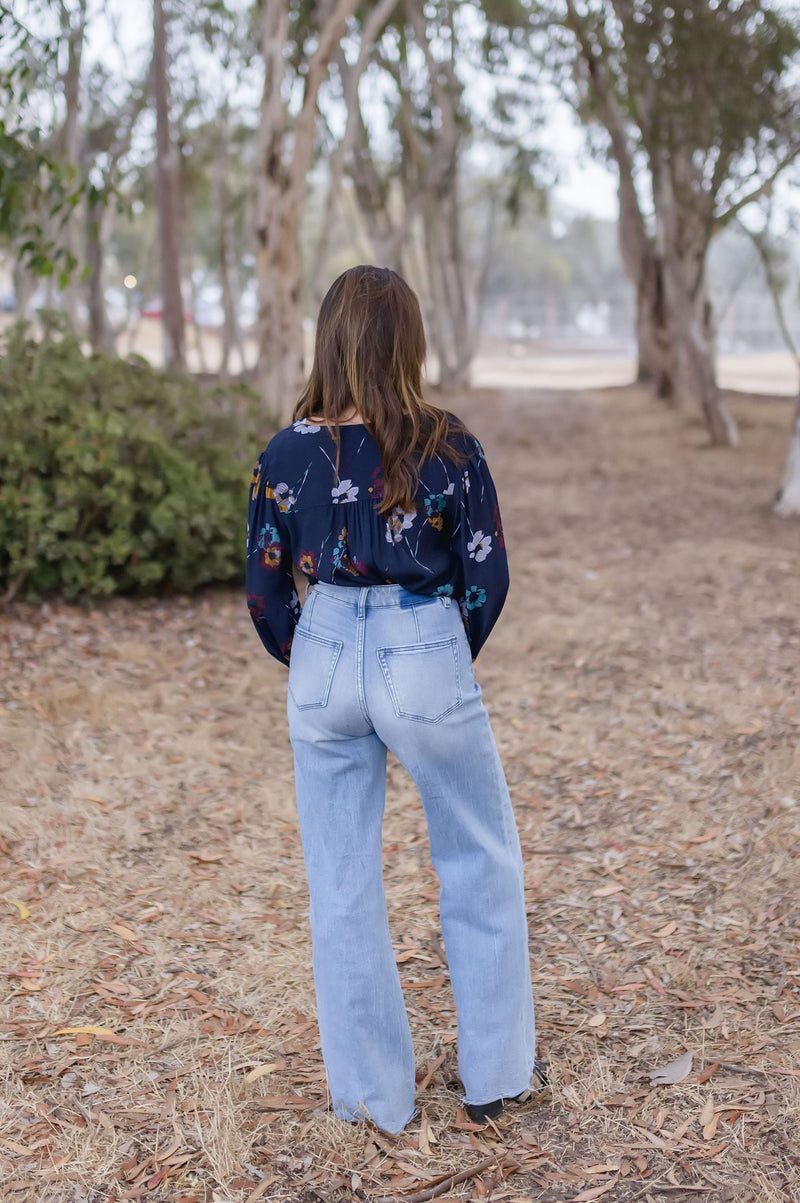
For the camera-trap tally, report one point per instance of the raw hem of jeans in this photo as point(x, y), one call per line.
point(503, 1094)
point(365, 1118)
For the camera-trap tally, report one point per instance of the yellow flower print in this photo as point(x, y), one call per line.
point(255, 481)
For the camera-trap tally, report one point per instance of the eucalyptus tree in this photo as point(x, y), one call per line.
point(700, 109)
point(167, 182)
point(449, 82)
point(298, 42)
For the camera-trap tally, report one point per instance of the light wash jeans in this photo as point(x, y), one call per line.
point(375, 668)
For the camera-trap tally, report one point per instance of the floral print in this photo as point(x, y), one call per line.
point(340, 550)
point(397, 522)
point(307, 563)
point(450, 544)
point(435, 504)
point(474, 597)
point(497, 522)
point(284, 497)
point(255, 481)
point(479, 546)
point(342, 558)
point(271, 556)
point(344, 491)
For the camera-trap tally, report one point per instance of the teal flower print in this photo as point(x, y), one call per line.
point(474, 597)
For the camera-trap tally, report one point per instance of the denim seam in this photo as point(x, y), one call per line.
point(361, 635)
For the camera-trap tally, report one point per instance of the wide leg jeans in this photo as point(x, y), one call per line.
point(375, 668)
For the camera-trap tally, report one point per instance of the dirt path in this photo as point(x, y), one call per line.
point(643, 685)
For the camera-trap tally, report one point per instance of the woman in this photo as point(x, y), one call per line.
point(381, 509)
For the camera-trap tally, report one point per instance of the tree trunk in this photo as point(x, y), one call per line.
point(451, 313)
point(280, 199)
point(787, 503)
point(196, 331)
point(695, 355)
point(643, 269)
point(24, 288)
point(372, 194)
point(100, 334)
point(687, 308)
point(448, 318)
point(652, 333)
point(74, 27)
point(231, 334)
point(167, 200)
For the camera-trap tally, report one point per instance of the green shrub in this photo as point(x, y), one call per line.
point(116, 477)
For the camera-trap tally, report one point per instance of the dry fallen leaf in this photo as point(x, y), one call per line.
point(24, 913)
point(674, 1072)
point(710, 1129)
point(260, 1070)
point(127, 933)
point(707, 1113)
point(89, 1029)
point(597, 1020)
point(595, 1192)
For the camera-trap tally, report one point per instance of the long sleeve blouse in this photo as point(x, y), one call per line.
point(303, 514)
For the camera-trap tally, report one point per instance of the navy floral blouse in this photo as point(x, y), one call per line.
point(327, 526)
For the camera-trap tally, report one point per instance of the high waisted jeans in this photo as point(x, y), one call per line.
point(375, 668)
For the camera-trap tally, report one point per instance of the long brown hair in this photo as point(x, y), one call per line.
point(369, 352)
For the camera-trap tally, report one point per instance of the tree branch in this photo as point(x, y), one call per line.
point(763, 189)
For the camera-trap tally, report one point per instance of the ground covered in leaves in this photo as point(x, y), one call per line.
point(157, 1034)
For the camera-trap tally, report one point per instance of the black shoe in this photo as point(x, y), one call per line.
point(481, 1113)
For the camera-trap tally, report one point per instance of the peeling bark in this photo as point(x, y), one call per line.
point(681, 249)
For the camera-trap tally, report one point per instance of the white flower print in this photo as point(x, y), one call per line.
point(466, 480)
point(284, 497)
point(398, 521)
point(480, 546)
point(306, 427)
point(344, 491)
point(449, 490)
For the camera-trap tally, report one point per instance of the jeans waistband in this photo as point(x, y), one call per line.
point(368, 595)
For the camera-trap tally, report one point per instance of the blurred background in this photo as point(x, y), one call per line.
point(584, 194)
point(481, 149)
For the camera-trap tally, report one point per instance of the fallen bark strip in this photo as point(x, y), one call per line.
point(438, 1186)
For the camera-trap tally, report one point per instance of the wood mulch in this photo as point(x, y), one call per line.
point(157, 1034)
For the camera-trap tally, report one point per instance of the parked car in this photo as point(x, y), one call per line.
point(155, 309)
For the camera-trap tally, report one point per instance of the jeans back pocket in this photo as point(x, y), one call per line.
point(423, 680)
point(312, 664)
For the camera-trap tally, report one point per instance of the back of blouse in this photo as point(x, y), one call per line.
point(326, 526)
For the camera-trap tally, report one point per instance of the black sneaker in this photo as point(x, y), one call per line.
point(481, 1113)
